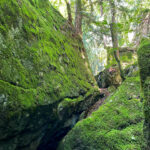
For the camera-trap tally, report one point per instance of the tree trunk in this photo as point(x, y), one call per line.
point(78, 17)
point(68, 4)
point(101, 7)
point(91, 6)
point(115, 37)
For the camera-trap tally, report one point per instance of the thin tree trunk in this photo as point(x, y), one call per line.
point(101, 7)
point(91, 6)
point(115, 37)
point(68, 4)
point(148, 23)
point(78, 17)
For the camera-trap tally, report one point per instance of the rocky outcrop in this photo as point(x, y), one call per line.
point(144, 64)
point(109, 77)
point(45, 82)
point(116, 125)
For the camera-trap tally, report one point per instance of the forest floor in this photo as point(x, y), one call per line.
point(94, 107)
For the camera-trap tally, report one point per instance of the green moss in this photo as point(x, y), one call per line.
point(126, 57)
point(14, 99)
point(78, 104)
point(40, 60)
point(44, 81)
point(144, 61)
point(144, 65)
point(116, 125)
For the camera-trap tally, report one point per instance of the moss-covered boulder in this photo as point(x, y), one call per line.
point(45, 80)
point(109, 77)
point(144, 64)
point(116, 125)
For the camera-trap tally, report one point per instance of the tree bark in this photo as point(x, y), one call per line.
point(115, 37)
point(101, 7)
point(68, 4)
point(78, 17)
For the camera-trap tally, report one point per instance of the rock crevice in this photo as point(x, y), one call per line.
point(45, 84)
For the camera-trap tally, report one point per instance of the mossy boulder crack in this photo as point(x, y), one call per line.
point(45, 83)
point(116, 125)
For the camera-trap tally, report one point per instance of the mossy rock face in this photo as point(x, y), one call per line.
point(116, 125)
point(41, 67)
point(144, 65)
point(132, 70)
